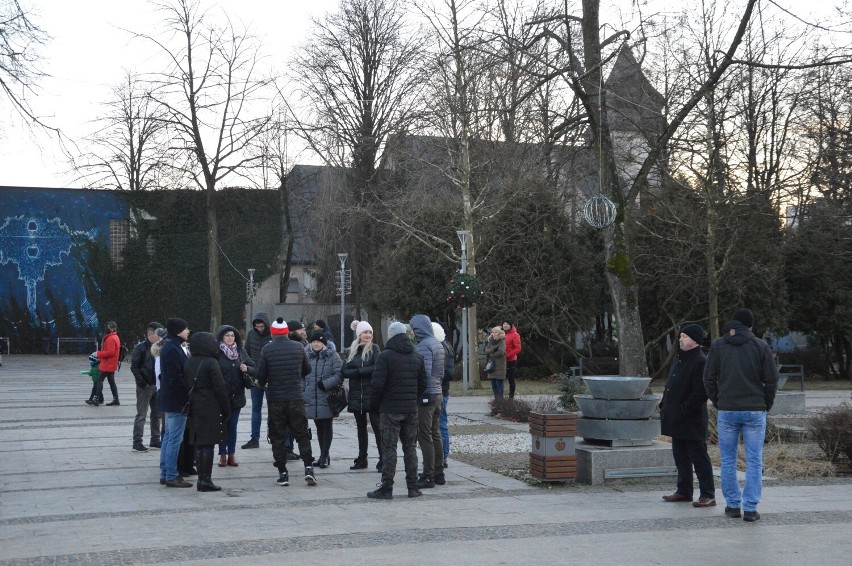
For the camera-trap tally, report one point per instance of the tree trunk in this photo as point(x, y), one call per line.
point(286, 255)
point(213, 263)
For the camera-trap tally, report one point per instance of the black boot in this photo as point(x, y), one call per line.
point(204, 457)
point(385, 491)
point(360, 463)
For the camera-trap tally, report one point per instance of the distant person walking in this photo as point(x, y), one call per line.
point(513, 348)
point(741, 379)
point(684, 419)
point(108, 355)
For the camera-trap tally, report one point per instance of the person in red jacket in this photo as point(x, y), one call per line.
point(108, 355)
point(513, 348)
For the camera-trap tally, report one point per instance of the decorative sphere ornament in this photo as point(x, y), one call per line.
point(600, 212)
point(463, 290)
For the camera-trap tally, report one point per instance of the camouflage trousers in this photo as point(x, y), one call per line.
point(396, 427)
point(289, 415)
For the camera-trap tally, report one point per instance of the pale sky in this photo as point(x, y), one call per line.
point(90, 50)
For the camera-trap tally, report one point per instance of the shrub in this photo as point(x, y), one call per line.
point(519, 410)
point(570, 386)
point(832, 432)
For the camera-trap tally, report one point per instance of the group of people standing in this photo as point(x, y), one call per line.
point(194, 387)
point(502, 346)
point(740, 378)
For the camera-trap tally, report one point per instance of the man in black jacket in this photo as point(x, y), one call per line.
point(281, 373)
point(142, 368)
point(173, 395)
point(684, 419)
point(399, 380)
point(258, 337)
point(741, 378)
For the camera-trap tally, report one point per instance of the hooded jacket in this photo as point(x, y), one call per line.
point(235, 382)
point(255, 341)
point(740, 374)
point(281, 370)
point(399, 378)
point(684, 404)
point(433, 354)
point(325, 369)
point(210, 405)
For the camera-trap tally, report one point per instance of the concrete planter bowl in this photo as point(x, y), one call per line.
point(616, 386)
point(621, 409)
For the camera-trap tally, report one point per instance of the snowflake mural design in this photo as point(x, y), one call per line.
point(34, 245)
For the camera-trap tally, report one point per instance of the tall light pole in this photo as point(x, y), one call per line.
point(342, 257)
point(463, 236)
point(250, 293)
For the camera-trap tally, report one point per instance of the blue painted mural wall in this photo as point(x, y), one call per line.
point(39, 227)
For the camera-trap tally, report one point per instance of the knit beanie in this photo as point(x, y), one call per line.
point(695, 332)
point(319, 336)
point(295, 325)
point(745, 316)
point(359, 326)
point(395, 328)
point(176, 325)
point(279, 327)
point(509, 322)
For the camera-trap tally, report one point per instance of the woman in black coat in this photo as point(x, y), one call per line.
point(358, 368)
point(237, 371)
point(210, 404)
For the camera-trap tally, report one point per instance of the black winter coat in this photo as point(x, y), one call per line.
point(399, 379)
point(210, 405)
point(142, 364)
point(359, 372)
point(684, 404)
point(255, 341)
point(281, 369)
point(741, 374)
point(173, 390)
point(449, 368)
point(235, 381)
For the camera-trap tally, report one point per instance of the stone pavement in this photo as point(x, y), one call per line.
point(72, 492)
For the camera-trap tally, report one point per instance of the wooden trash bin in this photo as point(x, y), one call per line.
point(552, 457)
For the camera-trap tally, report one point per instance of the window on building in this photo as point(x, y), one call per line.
point(119, 234)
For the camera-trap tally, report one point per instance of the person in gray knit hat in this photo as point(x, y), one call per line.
point(684, 419)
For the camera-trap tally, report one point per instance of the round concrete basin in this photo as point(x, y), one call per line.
point(624, 409)
point(616, 386)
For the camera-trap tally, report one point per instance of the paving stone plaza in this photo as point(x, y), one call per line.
point(73, 492)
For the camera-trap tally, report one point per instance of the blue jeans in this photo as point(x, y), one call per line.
point(231, 445)
point(256, 411)
point(175, 423)
point(497, 388)
point(445, 431)
point(752, 425)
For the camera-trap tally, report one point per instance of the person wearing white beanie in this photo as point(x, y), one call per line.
point(358, 366)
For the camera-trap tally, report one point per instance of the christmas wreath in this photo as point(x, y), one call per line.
point(463, 290)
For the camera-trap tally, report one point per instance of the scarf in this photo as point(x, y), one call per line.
point(232, 351)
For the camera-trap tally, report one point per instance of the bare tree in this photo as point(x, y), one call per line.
point(206, 94)
point(20, 42)
point(129, 149)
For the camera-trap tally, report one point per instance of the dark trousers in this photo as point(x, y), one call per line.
point(396, 427)
point(186, 455)
point(281, 416)
point(146, 397)
point(325, 432)
point(688, 454)
point(511, 373)
point(429, 435)
point(99, 385)
point(361, 424)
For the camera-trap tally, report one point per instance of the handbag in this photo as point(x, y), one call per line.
point(337, 400)
point(489, 367)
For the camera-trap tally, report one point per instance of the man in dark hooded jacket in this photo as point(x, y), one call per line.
point(741, 378)
point(429, 409)
point(684, 419)
point(258, 337)
point(398, 381)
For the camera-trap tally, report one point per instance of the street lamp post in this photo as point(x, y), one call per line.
point(250, 294)
point(342, 257)
point(463, 236)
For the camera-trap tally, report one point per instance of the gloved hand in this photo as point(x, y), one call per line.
point(93, 358)
point(320, 385)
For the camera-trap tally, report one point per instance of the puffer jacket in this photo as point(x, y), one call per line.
point(235, 381)
point(513, 344)
point(684, 404)
point(496, 350)
point(359, 372)
point(434, 357)
point(740, 374)
point(210, 405)
point(281, 370)
point(325, 370)
point(109, 353)
point(399, 379)
point(255, 341)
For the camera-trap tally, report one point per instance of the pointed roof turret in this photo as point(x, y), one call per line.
point(633, 104)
